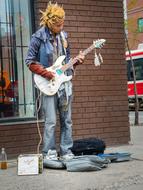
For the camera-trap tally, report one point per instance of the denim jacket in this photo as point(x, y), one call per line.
point(41, 49)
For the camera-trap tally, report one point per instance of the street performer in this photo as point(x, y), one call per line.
point(46, 45)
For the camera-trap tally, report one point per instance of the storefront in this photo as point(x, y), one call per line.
point(100, 105)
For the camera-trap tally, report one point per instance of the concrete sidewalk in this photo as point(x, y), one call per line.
point(117, 176)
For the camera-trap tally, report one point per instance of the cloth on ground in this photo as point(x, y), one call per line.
point(86, 163)
point(117, 156)
point(78, 163)
point(54, 164)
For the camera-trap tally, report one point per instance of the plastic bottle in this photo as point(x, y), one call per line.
point(3, 159)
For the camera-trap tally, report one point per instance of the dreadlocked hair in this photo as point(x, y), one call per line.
point(53, 14)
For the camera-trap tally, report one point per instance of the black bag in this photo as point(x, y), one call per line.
point(88, 146)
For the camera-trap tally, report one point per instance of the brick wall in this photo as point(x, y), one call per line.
point(100, 107)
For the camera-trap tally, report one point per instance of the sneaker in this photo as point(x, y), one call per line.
point(52, 155)
point(67, 156)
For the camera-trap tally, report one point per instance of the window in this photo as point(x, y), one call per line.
point(16, 89)
point(140, 24)
point(138, 64)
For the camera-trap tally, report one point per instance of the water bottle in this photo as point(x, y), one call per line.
point(3, 159)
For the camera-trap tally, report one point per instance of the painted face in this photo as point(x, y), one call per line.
point(57, 27)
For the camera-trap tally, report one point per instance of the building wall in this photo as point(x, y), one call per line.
point(100, 106)
point(135, 11)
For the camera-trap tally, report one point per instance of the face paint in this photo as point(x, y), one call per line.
point(57, 27)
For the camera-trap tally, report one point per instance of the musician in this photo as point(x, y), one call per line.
point(47, 44)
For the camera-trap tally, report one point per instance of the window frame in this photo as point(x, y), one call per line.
point(5, 120)
point(140, 28)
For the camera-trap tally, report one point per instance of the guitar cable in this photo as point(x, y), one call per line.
point(38, 106)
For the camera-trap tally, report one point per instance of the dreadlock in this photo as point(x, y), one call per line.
point(53, 14)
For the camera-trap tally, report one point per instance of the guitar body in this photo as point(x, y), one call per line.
point(50, 87)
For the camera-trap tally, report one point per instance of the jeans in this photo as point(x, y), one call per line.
point(50, 107)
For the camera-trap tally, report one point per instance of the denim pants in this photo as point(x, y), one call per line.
point(50, 107)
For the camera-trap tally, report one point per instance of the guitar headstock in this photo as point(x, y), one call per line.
point(99, 43)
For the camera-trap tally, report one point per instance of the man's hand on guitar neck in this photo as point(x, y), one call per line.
point(40, 70)
point(79, 59)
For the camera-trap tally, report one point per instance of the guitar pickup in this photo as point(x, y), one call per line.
point(59, 71)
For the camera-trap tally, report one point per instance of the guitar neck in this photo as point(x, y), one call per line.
point(74, 60)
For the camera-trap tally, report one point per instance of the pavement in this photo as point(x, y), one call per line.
point(117, 176)
point(132, 117)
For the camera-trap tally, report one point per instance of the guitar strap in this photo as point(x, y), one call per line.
point(64, 41)
point(65, 90)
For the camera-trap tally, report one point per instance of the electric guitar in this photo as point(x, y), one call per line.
point(50, 87)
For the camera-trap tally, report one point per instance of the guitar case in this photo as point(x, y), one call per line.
point(88, 146)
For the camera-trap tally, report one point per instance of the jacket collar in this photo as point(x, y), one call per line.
point(44, 33)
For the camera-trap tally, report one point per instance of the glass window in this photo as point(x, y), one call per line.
point(138, 64)
point(140, 24)
point(16, 89)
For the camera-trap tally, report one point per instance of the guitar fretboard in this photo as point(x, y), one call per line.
point(88, 50)
point(74, 60)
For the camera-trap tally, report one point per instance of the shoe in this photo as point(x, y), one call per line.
point(67, 156)
point(51, 155)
